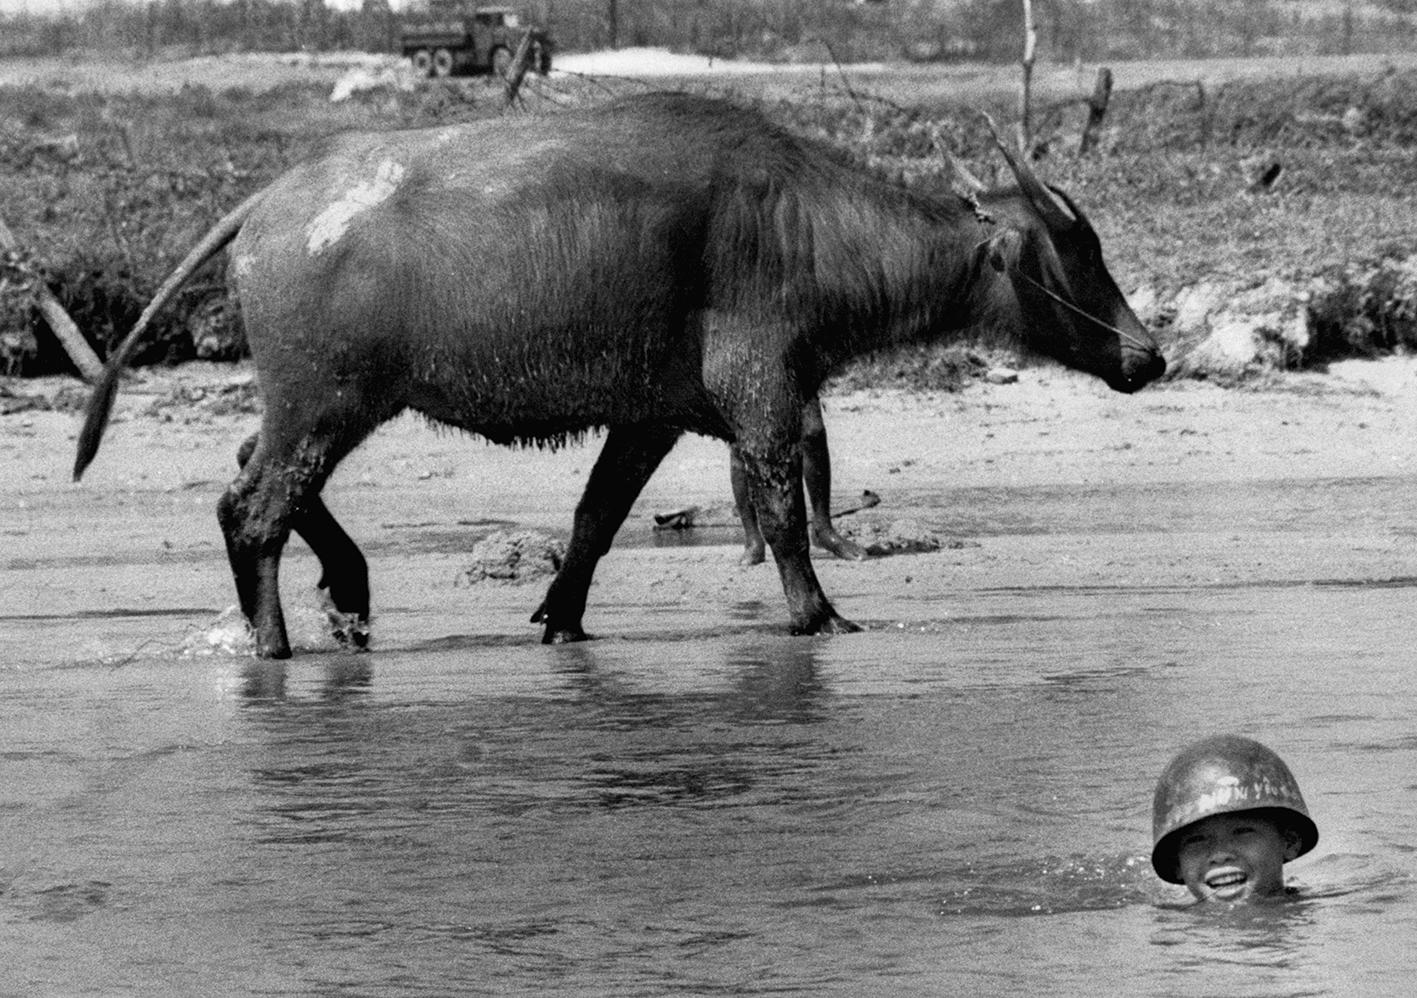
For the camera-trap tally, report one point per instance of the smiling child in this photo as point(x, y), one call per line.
point(1227, 816)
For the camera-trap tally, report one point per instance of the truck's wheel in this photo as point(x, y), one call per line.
point(501, 61)
point(423, 62)
point(442, 63)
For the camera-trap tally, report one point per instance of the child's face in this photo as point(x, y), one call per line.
point(1234, 857)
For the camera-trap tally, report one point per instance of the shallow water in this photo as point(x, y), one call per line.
point(954, 802)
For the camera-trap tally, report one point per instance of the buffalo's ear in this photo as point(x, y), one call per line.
point(1003, 249)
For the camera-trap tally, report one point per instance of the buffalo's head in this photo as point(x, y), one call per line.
point(1070, 308)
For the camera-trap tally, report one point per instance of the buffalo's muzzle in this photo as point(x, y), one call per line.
point(1139, 369)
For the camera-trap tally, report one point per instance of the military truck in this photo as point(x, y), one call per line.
point(450, 37)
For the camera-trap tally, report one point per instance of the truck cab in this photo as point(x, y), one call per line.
point(451, 37)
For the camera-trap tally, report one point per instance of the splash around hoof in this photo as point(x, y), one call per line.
point(350, 630)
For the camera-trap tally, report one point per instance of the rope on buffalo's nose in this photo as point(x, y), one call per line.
point(985, 218)
point(1128, 337)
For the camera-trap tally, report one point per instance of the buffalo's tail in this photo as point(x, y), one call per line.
point(101, 401)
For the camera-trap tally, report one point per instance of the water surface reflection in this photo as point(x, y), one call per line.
point(958, 809)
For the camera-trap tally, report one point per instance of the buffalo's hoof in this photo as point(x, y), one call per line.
point(844, 549)
point(827, 625)
point(276, 649)
point(353, 633)
point(839, 625)
point(351, 630)
point(752, 556)
point(563, 635)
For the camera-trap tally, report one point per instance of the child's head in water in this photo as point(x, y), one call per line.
point(1227, 816)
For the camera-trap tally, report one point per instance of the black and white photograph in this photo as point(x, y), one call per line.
point(650, 498)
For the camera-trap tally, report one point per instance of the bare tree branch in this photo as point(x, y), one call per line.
point(1030, 44)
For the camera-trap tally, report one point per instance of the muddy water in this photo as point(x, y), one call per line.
point(953, 802)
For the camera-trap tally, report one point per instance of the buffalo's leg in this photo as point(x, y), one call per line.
point(773, 474)
point(344, 573)
point(754, 547)
point(625, 464)
point(254, 513)
point(257, 512)
point(816, 475)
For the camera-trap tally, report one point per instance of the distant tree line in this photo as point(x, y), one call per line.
point(848, 30)
point(201, 27)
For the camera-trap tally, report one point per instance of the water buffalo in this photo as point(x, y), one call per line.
point(661, 264)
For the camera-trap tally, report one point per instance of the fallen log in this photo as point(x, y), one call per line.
point(89, 366)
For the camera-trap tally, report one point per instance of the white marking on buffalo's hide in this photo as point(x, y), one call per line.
point(329, 226)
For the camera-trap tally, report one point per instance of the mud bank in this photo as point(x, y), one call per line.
point(1183, 484)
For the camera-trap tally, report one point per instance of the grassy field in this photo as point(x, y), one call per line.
point(108, 174)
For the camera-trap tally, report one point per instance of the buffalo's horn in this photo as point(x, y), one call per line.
point(1038, 192)
point(965, 181)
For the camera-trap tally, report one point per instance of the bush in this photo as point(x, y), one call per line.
point(107, 193)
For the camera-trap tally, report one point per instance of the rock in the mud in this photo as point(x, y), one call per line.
point(12, 401)
point(1194, 305)
point(691, 517)
point(684, 518)
point(897, 537)
point(1255, 329)
point(505, 556)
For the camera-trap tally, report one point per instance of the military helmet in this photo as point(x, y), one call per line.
point(1220, 775)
